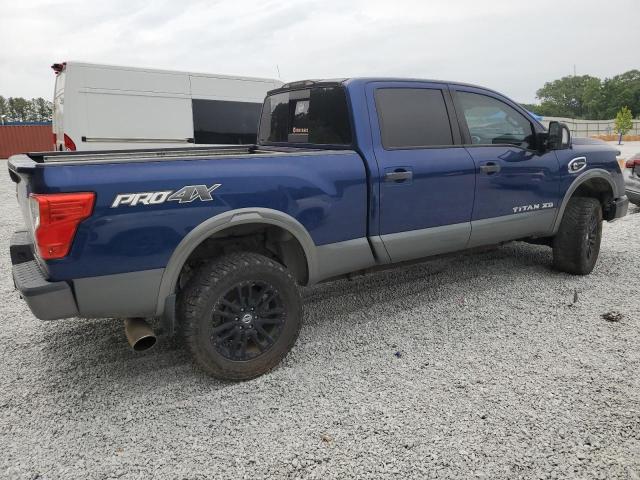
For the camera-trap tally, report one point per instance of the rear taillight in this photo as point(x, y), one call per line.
point(632, 163)
point(55, 219)
point(68, 143)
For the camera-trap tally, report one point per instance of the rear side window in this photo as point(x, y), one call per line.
point(413, 117)
point(217, 121)
point(318, 116)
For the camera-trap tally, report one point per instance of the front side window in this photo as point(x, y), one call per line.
point(412, 118)
point(492, 122)
point(317, 115)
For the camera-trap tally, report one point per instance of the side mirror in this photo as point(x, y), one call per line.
point(558, 136)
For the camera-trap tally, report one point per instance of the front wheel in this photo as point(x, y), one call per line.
point(577, 244)
point(241, 314)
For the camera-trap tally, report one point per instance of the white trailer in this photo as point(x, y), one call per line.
point(107, 107)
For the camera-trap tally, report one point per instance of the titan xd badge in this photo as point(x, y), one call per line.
point(535, 206)
point(186, 194)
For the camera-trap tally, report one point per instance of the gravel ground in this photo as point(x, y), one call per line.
point(474, 366)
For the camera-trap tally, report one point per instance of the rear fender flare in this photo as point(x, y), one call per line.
point(225, 220)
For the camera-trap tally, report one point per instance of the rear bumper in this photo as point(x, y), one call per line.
point(47, 300)
point(132, 294)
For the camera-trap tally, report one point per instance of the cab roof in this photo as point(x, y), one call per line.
point(361, 81)
point(301, 84)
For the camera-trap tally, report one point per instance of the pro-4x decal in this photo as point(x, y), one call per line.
point(186, 194)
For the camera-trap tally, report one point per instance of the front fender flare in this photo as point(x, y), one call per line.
point(579, 180)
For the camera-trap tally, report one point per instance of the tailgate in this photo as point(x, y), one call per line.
point(21, 169)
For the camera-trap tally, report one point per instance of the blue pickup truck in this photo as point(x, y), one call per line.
point(348, 175)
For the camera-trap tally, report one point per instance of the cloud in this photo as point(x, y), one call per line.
point(510, 46)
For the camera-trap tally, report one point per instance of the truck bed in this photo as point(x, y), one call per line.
point(325, 191)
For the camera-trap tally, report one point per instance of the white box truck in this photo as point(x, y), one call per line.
point(108, 107)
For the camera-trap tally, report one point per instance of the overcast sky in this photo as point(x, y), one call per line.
point(513, 46)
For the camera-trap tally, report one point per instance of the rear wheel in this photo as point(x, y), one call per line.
point(577, 244)
point(241, 315)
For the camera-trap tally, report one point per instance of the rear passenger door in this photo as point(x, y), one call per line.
point(427, 177)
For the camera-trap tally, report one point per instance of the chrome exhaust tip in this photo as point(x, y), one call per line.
point(139, 334)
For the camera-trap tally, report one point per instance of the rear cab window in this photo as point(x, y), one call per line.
point(312, 116)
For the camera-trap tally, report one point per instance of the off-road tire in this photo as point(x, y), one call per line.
point(577, 243)
point(204, 293)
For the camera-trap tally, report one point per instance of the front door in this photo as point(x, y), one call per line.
point(427, 184)
point(517, 187)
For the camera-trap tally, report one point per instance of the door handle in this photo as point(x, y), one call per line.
point(490, 168)
point(398, 176)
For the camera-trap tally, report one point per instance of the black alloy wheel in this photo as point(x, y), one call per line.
point(247, 320)
point(240, 314)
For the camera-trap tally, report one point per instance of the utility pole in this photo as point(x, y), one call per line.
point(574, 69)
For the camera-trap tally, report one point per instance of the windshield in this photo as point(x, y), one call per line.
point(317, 116)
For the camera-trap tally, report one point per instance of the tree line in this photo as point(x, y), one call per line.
point(18, 109)
point(588, 97)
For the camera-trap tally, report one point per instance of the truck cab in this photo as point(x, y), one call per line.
point(450, 166)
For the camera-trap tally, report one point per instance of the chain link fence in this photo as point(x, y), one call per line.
point(591, 128)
